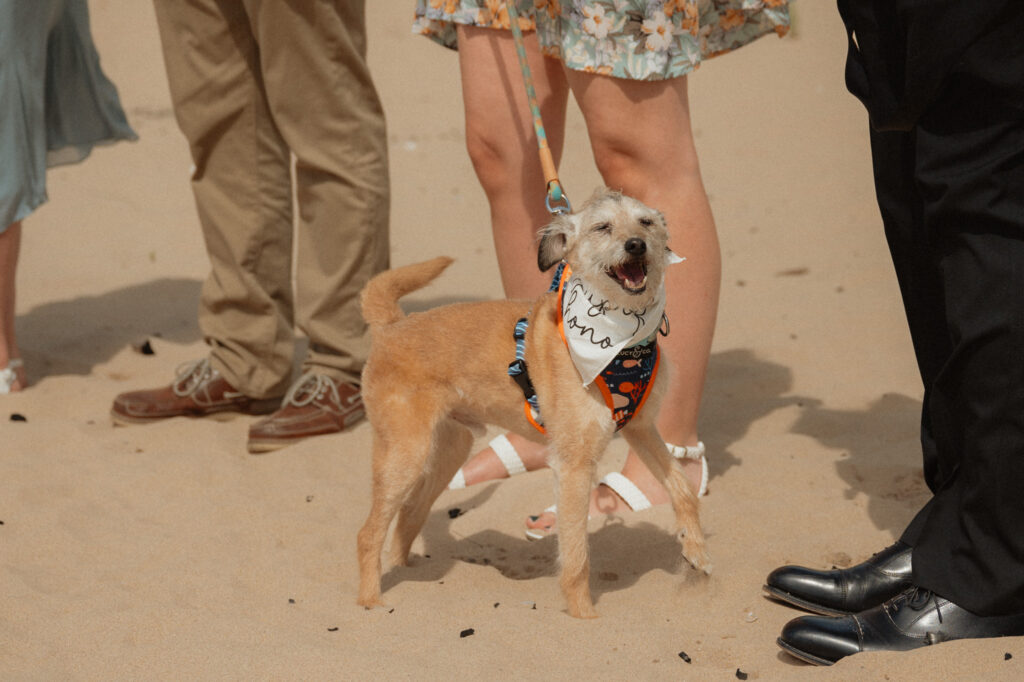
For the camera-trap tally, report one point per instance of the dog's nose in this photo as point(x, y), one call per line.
point(636, 246)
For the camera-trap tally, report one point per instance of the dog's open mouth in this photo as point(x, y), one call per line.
point(631, 276)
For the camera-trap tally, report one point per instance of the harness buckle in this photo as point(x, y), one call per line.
point(517, 370)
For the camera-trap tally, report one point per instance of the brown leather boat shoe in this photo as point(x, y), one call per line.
point(316, 405)
point(198, 390)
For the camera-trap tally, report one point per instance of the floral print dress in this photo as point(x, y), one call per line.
point(635, 39)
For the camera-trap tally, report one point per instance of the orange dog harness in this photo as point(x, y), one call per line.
point(625, 382)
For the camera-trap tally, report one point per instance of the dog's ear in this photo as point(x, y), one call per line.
point(552, 248)
point(554, 241)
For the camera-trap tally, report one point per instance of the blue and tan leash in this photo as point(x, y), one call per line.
point(555, 200)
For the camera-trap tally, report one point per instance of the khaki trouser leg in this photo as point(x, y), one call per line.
point(242, 189)
point(326, 107)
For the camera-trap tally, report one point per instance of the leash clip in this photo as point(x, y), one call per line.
point(557, 201)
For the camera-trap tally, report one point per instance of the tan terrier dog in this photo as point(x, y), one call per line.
point(434, 379)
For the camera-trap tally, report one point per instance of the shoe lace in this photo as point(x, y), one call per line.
point(190, 376)
point(920, 598)
point(311, 386)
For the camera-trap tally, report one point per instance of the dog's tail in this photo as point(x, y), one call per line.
point(381, 294)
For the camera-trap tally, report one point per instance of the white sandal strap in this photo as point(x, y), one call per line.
point(695, 452)
point(8, 376)
point(511, 460)
point(458, 480)
point(627, 490)
point(507, 455)
point(687, 451)
point(631, 494)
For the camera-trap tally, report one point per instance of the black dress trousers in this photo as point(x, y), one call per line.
point(947, 142)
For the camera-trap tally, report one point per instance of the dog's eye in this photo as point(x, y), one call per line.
point(646, 222)
point(603, 227)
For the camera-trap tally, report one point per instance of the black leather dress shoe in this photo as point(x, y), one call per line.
point(914, 618)
point(842, 591)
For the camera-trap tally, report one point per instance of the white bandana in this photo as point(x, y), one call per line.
point(596, 331)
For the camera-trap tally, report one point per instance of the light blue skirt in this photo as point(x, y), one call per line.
point(55, 102)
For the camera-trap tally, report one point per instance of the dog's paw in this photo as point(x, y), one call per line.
point(580, 610)
point(370, 605)
point(370, 598)
point(696, 553)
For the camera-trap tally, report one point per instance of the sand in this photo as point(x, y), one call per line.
point(168, 552)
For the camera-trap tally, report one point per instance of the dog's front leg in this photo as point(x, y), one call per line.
point(575, 480)
point(643, 437)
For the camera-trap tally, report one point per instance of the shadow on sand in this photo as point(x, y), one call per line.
point(741, 390)
point(75, 335)
point(882, 455)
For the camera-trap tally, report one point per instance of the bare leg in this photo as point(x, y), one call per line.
point(661, 170)
point(503, 147)
point(485, 466)
point(629, 124)
point(10, 242)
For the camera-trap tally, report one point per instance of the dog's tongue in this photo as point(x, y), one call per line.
point(631, 273)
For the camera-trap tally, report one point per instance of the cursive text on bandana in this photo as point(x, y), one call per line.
point(595, 330)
